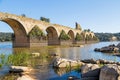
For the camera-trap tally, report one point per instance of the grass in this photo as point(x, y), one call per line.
point(101, 65)
point(2, 59)
point(18, 59)
point(14, 59)
point(77, 68)
point(23, 57)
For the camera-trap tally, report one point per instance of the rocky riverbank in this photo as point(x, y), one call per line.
point(109, 49)
point(93, 69)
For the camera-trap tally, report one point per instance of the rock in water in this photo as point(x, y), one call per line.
point(61, 62)
point(90, 72)
point(19, 69)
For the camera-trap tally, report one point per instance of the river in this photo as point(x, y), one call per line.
point(75, 53)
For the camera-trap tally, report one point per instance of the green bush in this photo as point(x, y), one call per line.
point(18, 59)
point(88, 37)
point(36, 32)
point(45, 19)
point(95, 38)
point(64, 36)
point(78, 37)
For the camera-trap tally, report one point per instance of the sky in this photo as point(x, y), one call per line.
point(96, 15)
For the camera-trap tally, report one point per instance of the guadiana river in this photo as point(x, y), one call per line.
point(45, 71)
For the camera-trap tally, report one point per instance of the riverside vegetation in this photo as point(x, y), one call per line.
point(23, 57)
point(5, 36)
point(108, 36)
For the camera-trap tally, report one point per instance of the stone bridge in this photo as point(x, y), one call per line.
point(23, 25)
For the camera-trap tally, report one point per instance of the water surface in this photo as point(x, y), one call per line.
point(46, 72)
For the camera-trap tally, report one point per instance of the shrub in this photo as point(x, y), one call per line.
point(45, 19)
point(18, 59)
point(78, 37)
point(36, 32)
point(95, 38)
point(64, 36)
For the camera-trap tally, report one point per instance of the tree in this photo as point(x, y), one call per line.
point(104, 36)
point(85, 30)
point(44, 19)
point(23, 15)
point(64, 36)
point(5, 36)
point(88, 30)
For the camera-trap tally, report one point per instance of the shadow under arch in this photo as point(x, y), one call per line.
point(52, 35)
point(71, 34)
point(20, 38)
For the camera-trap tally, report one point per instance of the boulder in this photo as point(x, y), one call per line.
point(118, 63)
point(19, 69)
point(106, 49)
point(90, 78)
point(90, 72)
point(116, 50)
point(90, 61)
point(89, 67)
point(97, 49)
point(110, 72)
point(35, 54)
point(109, 49)
point(102, 61)
point(118, 45)
point(61, 62)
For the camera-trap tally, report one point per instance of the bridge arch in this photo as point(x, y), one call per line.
point(52, 34)
point(20, 38)
point(90, 36)
point(71, 34)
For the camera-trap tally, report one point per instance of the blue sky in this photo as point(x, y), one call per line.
point(96, 15)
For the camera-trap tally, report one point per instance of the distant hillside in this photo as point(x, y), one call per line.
point(108, 36)
point(5, 36)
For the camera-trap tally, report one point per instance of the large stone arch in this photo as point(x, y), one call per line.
point(91, 35)
point(52, 36)
point(20, 38)
point(71, 34)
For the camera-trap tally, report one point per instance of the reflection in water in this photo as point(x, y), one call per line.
point(74, 74)
point(86, 52)
point(62, 71)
